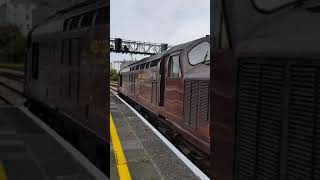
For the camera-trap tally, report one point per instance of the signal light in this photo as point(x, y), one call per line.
point(164, 47)
point(118, 44)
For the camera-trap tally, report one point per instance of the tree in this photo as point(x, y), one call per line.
point(113, 75)
point(12, 43)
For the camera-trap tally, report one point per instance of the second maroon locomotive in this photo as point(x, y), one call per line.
point(173, 88)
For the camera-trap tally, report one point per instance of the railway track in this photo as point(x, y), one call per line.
point(11, 89)
point(4, 101)
point(113, 87)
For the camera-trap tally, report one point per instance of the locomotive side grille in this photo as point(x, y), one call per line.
point(196, 102)
point(316, 138)
point(204, 101)
point(278, 121)
point(259, 121)
point(187, 97)
point(301, 122)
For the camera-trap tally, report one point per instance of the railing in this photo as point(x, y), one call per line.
point(118, 45)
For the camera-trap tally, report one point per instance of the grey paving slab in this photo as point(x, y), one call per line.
point(27, 152)
point(147, 156)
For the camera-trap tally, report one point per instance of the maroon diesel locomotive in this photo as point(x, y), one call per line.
point(265, 90)
point(65, 75)
point(172, 87)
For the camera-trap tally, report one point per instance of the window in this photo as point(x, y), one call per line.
point(87, 19)
point(223, 40)
point(78, 87)
point(74, 22)
point(75, 51)
point(69, 83)
point(137, 67)
point(27, 17)
point(174, 67)
point(142, 66)
point(102, 16)
point(65, 24)
point(199, 53)
point(120, 79)
point(65, 51)
point(147, 65)
point(154, 63)
point(35, 60)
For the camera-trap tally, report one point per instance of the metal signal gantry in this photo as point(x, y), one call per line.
point(119, 45)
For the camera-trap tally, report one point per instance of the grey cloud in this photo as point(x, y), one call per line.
point(166, 21)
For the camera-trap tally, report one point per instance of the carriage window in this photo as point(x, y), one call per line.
point(120, 80)
point(174, 67)
point(154, 63)
point(74, 22)
point(65, 24)
point(75, 52)
point(87, 19)
point(137, 67)
point(142, 66)
point(66, 51)
point(102, 16)
point(147, 65)
point(199, 53)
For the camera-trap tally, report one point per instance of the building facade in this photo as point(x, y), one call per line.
point(117, 65)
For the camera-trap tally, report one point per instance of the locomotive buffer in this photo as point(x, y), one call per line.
point(143, 153)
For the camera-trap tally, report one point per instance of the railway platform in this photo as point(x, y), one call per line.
point(139, 151)
point(30, 150)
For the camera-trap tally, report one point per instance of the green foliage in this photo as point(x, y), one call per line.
point(13, 66)
point(113, 75)
point(12, 44)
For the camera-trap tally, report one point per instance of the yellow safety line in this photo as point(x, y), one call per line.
point(2, 173)
point(123, 169)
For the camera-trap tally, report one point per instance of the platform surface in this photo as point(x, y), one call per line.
point(27, 152)
point(147, 156)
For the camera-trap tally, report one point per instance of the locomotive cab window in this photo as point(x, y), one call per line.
point(174, 67)
point(199, 54)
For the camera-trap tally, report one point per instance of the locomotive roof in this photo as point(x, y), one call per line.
point(54, 23)
point(159, 55)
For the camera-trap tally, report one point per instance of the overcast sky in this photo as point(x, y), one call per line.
point(166, 21)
